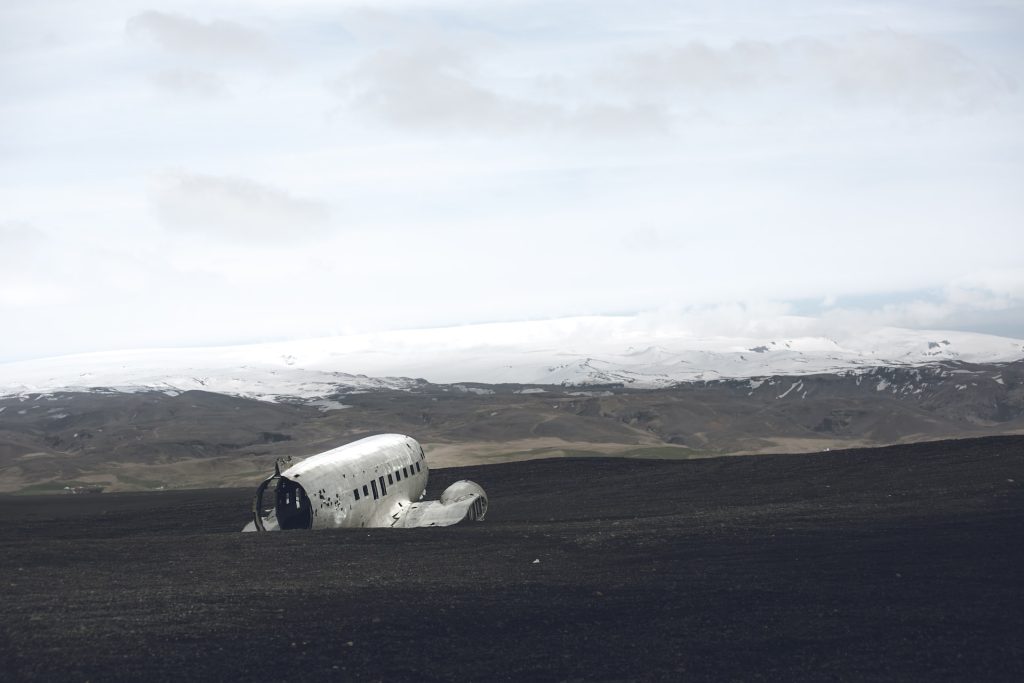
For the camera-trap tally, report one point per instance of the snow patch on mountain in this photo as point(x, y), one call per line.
point(571, 352)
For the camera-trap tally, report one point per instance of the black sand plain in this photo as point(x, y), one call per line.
point(898, 563)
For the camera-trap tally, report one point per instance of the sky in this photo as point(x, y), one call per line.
point(217, 172)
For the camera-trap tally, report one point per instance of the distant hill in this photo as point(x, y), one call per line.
point(147, 439)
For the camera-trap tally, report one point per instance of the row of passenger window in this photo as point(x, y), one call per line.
point(392, 478)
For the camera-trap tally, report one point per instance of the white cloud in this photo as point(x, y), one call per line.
point(33, 270)
point(27, 294)
point(436, 88)
point(901, 68)
point(235, 208)
point(19, 237)
point(870, 68)
point(990, 301)
point(990, 291)
point(219, 39)
point(985, 311)
point(22, 252)
point(191, 82)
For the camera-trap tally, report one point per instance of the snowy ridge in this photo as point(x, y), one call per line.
point(578, 351)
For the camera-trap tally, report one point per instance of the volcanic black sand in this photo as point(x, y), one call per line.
point(897, 563)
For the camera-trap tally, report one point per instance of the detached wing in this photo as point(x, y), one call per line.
point(463, 500)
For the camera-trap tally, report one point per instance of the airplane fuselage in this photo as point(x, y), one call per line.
point(374, 482)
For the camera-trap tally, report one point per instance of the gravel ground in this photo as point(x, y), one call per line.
point(900, 563)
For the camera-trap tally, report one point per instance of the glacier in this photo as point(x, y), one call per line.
point(595, 350)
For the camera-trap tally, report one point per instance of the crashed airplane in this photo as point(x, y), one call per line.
point(378, 481)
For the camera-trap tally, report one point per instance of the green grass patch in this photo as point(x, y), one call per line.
point(144, 483)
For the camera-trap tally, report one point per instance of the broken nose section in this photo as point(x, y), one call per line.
point(291, 508)
point(264, 518)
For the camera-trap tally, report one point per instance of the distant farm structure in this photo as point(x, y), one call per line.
point(75, 490)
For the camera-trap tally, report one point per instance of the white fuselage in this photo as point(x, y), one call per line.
point(369, 483)
point(378, 481)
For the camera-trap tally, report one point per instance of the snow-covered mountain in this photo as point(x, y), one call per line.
point(577, 351)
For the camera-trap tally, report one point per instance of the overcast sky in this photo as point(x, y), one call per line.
point(223, 172)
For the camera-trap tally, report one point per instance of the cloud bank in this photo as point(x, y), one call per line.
point(339, 168)
point(218, 39)
point(877, 67)
point(235, 208)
